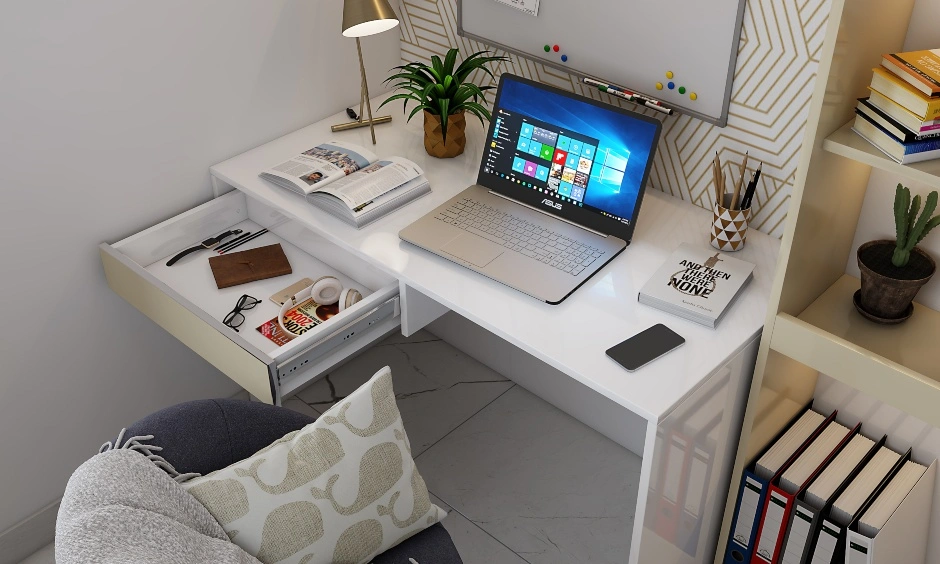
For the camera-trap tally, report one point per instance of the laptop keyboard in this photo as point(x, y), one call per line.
point(530, 239)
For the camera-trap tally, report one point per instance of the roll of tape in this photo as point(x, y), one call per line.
point(326, 290)
point(348, 298)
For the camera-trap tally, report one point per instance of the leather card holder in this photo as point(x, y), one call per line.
point(248, 266)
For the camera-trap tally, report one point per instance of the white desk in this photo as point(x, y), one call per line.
point(676, 395)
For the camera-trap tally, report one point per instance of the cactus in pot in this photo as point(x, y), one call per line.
point(911, 230)
point(894, 271)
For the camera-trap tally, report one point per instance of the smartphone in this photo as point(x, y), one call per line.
point(287, 293)
point(643, 348)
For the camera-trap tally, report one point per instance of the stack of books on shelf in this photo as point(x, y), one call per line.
point(824, 493)
point(901, 115)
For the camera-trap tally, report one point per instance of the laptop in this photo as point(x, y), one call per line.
point(557, 195)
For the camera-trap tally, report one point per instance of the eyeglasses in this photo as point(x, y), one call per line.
point(236, 318)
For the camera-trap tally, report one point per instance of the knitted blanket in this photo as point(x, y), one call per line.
point(120, 507)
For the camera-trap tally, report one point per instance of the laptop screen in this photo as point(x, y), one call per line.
point(580, 159)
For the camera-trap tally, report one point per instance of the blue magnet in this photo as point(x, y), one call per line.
point(671, 85)
point(564, 58)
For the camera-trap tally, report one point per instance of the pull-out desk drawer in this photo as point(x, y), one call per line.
point(184, 299)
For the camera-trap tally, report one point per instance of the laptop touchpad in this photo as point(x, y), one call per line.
point(475, 250)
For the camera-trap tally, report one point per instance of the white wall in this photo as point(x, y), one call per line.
point(111, 113)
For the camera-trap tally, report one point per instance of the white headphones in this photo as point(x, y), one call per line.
point(326, 290)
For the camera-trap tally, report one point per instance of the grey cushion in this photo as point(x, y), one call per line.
point(207, 435)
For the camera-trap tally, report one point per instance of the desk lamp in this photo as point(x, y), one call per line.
point(360, 19)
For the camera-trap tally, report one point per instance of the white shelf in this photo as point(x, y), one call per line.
point(894, 363)
point(849, 144)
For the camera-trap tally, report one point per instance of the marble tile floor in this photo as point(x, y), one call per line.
point(522, 482)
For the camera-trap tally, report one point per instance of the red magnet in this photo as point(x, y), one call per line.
point(556, 48)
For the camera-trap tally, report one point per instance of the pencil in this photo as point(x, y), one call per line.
point(737, 185)
point(719, 184)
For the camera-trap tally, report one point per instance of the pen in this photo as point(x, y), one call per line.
point(629, 96)
point(243, 241)
point(604, 87)
point(749, 194)
point(233, 241)
point(636, 99)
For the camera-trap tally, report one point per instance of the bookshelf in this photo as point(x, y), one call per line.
point(894, 364)
point(848, 144)
point(812, 329)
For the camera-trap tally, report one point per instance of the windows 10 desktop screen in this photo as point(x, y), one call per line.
point(569, 149)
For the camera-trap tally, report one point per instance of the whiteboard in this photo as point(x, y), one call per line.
point(642, 45)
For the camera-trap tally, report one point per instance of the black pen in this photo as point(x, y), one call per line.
point(243, 241)
point(752, 187)
point(233, 241)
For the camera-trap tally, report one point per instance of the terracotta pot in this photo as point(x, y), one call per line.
point(887, 291)
point(434, 142)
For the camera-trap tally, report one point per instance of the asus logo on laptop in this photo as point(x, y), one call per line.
point(556, 205)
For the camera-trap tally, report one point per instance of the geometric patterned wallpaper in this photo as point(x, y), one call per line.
point(773, 82)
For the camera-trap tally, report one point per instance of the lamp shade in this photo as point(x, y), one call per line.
point(367, 17)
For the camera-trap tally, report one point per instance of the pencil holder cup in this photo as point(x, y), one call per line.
point(729, 228)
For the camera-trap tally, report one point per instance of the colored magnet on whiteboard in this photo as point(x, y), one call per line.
point(693, 96)
point(547, 48)
point(682, 90)
point(669, 74)
point(659, 86)
point(564, 58)
point(671, 85)
point(556, 48)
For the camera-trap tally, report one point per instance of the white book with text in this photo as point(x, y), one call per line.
point(697, 283)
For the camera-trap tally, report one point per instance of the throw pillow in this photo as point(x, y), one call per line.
point(341, 490)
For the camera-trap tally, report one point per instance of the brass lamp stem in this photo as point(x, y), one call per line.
point(365, 90)
point(364, 102)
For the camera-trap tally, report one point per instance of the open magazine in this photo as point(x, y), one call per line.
point(350, 182)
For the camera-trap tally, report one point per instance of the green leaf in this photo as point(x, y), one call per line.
point(901, 204)
point(477, 113)
point(915, 207)
point(443, 108)
point(478, 110)
point(410, 77)
point(477, 62)
point(449, 61)
point(402, 96)
point(930, 226)
point(441, 89)
point(917, 232)
point(418, 109)
point(438, 67)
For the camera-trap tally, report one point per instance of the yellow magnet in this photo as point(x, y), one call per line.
point(669, 74)
point(659, 86)
point(693, 96)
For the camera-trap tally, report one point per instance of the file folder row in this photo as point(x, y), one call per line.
point(823, 493)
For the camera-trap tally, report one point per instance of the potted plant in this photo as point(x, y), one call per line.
point(445, 95)
point(894, 271)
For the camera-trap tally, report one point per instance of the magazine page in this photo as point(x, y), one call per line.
point(322, 164)
point(389, 196)
point(373, 181)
